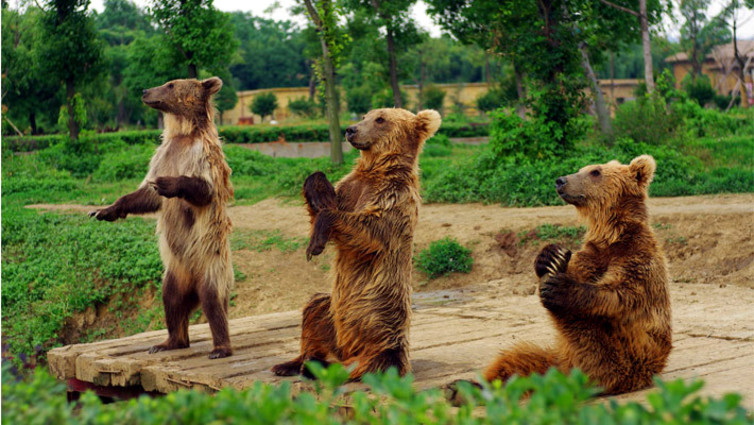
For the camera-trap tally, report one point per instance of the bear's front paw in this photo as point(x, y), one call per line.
point(552, 259)
point(110, 213)
point(320, 234)
point(319, 192)
point(554, 292)
point(168, 187)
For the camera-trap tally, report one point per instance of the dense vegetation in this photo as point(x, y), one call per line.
point(550, 399)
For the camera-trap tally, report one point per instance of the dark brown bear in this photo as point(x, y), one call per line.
point(188, 185)
point(370, 216)
point(610, 300)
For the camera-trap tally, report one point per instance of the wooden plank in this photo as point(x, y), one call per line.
point(448, 342)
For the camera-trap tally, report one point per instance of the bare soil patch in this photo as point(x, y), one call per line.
point(707, 239)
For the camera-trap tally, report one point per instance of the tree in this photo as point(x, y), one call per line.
point(271, 53)
point(698, 34)
point(324, 16)
point(400, 33)
point(31, 97)
point(226, 99)
point(202, 34)
point(264, 104)
point(644, 16)
point(72, 51)
point(119, 24)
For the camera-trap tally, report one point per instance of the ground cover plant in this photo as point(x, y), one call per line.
point(550, 399)
point(443, 257)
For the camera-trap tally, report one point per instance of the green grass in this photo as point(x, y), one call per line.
point(570, 235)
point(56, 265)
point(265, 240)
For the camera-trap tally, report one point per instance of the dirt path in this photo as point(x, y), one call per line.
point(708, 239)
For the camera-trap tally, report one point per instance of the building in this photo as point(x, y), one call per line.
point(720, 66)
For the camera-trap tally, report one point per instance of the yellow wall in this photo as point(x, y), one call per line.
point(710, 69)
point(465, 93)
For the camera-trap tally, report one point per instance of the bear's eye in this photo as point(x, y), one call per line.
point(170, 86)
point(595, 173)
point(380, 120)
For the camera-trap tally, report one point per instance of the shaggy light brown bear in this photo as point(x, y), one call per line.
point(610, 300)
point(188, 184)
point(370, 216)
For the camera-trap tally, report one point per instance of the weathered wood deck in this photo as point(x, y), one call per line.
point(448, 342)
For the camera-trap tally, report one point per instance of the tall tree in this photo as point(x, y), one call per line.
point(202, 34)
point(31, 97)
point(700, 33)
point(324, 17)
point(644, 16)
point(400, 33)
point(271, 53)
point(73, 51)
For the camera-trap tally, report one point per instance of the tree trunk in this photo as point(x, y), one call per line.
point(741, 73)
point(520, 91)
point(647, 46)
point(73, 126)
point(603, 115)
point(331, 100)
point(192, 71)
point(420, 98)
point(397, 101)
point(33, 122)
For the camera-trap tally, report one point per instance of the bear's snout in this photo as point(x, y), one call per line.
point(559, 183)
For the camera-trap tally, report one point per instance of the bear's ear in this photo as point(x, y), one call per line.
point(429, 121)
point(212, 85)
point(643, 170)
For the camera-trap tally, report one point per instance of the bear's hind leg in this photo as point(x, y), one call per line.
point(317, 337)
point(522, 360)
point(180, 299)
point(380, 362)
point(215, 308)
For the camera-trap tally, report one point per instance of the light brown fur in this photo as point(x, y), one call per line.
point(188, 182)
point(370, 216)
point(610, 302)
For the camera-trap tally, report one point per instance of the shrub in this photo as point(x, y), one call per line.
point(648, 119)
point(433, 97)
point(302, 107)
point(494, 98)
point(128, 163)
point(359, 100)
point(444, 257)
point(553, 398)
point(384, 99)
point(264, 104)
point(699, 90)
point(513, 137)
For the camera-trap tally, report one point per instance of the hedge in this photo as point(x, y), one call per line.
point(230, 134)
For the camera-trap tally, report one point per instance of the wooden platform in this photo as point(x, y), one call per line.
point(449, 340)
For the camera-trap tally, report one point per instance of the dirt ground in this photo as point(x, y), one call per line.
point(707, 239)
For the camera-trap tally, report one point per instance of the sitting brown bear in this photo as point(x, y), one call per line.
point(610, 301)
point(370, 216)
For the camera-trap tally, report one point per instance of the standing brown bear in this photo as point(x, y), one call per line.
point(188, 183)
point(610, 301)
point(370, 215)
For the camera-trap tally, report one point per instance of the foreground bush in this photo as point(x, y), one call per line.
point(554, 399)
